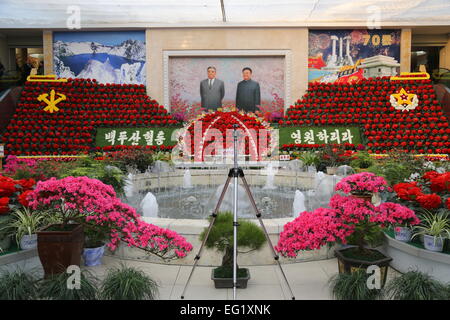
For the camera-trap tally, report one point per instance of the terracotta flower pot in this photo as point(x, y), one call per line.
point(59, 249)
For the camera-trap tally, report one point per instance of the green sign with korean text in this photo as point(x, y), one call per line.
point(319, 135)
point(151, 136)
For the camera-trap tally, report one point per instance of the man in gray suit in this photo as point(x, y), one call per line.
point(212, 90)
point(248, 94)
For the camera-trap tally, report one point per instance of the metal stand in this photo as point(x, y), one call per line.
point(234, 173)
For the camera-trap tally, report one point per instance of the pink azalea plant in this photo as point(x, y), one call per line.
point(348, 219)
point(99, 208)
point(397, 215)
point(364, 183)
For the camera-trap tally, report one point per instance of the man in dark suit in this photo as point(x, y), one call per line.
point(248, 94)
point(212, 90)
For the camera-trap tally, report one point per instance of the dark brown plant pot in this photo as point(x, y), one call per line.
point(366, 197)
point(227, 283)
point(60, 249)
point(349, 265)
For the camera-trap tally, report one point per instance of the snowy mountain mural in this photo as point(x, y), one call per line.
point(108, 57)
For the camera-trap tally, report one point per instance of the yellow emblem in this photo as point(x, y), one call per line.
point(403, 98)
point(404, 101)
point(51, 104)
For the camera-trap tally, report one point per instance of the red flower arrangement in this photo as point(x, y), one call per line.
point(224, 121)
point(12, 191)
point(431, 193)
point(71, 130)
point(366, 104)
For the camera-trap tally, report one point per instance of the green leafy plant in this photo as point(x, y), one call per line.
point(17, 285)
point(24, 222)
point(352, 286)
point(436, 225)
point(221, 237)
point(131, 159)
point(415, 285)
point(127, 283)
point(5, 230)
point(95, 237)
point(363, 161)
point(56, 287)
point(87, 167)
point(309, 158)
point(393, 172)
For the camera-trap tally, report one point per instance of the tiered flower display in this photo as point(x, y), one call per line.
point(99, 206)
point(366, 104)
point(71, 130)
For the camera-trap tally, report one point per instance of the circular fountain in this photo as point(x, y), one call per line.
point(182, 199)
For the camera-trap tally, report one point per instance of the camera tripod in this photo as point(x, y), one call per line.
point(236, 173)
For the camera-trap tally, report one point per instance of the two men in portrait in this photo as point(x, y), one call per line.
point(212, 91)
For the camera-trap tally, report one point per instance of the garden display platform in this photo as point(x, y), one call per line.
point(309, 280)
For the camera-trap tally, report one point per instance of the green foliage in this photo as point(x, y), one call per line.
point(363, 161)
point(95, 237)
point(133, 159)
point(415, 285)
point(127, 283)
point(56, 287)
point(309, 158)
point(436, 225)
point(24, 222)
point(221, 235)
point(99, 170)
point(393, 172)
point(227, 272)
point(17, 285)
point(366, 233)
point(352, 286)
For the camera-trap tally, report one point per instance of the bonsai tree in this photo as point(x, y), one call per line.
point(221, 238)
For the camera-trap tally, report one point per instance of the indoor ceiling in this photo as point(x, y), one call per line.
point(166, 13)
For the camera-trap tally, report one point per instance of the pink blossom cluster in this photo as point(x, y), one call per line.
point(353, 210)
point(312, 230)
point(12, 163)
point(396, 215)
point(362, 183)
point(99, 203)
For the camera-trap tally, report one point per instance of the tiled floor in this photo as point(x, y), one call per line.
point(308, 280)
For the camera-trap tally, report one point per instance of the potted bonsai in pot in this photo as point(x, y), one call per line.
point(249, 236)
point(434, 228)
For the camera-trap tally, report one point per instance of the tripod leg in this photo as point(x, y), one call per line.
point(214, 215)
point(258, 215)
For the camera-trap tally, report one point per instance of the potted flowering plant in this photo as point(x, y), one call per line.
point(400, 218)
point(362, 185)
point(348, 220)
point(83, 203)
